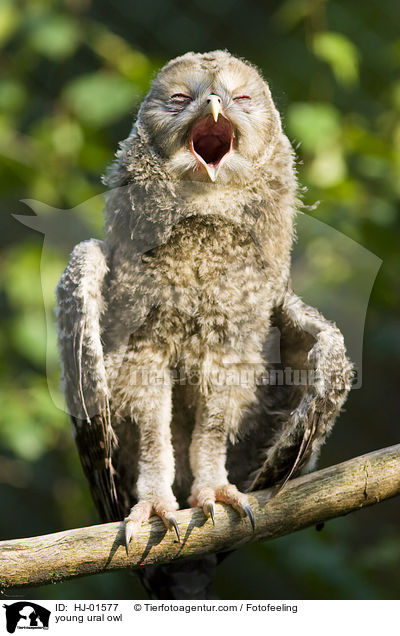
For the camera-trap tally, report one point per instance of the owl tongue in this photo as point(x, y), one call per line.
point(211, 143)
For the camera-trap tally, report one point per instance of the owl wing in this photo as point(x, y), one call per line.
point(316, 377)
point(80, 305)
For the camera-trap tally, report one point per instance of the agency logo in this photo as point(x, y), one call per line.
point(26, 615)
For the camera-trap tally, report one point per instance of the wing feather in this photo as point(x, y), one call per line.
point(309, 343)
point(80, 305)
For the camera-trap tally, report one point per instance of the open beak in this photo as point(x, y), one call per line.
point(212, 137)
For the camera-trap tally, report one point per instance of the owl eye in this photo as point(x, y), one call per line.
point(242, 98)
point(180, 98)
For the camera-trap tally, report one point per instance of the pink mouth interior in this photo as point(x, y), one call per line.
point(212, 140)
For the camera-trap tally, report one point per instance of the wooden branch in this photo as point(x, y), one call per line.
point(304, 501)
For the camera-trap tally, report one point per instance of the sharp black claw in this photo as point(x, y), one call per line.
point(128, 534)
point(173, 524)
point(209, 509)
point(250, 515)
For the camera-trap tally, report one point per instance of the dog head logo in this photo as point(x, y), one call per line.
point(26, 615)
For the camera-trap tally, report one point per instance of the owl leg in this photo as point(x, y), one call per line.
point(217, 416)
point(152, 413)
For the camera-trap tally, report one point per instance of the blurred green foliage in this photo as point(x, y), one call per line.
point(72, 76)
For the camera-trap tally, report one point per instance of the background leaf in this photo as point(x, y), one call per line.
point(100, 98)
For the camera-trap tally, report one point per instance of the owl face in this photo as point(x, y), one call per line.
point(209, 117)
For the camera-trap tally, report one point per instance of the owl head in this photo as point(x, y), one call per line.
point(209, 117)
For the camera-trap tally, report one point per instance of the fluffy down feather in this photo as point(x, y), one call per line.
point(166, 328)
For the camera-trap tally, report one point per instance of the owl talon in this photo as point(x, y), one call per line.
point(129, 525)
point(229, 494)
point(141, 512)
point(174, 526)
point(250, 515)
point(208, 509)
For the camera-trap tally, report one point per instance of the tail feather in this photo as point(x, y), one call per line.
point(191, 579)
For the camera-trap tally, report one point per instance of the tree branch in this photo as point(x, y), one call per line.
point(304, 501)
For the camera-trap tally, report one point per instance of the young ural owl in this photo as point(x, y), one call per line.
point(179, 335)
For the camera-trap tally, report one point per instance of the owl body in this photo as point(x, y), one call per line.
point(165, 327)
